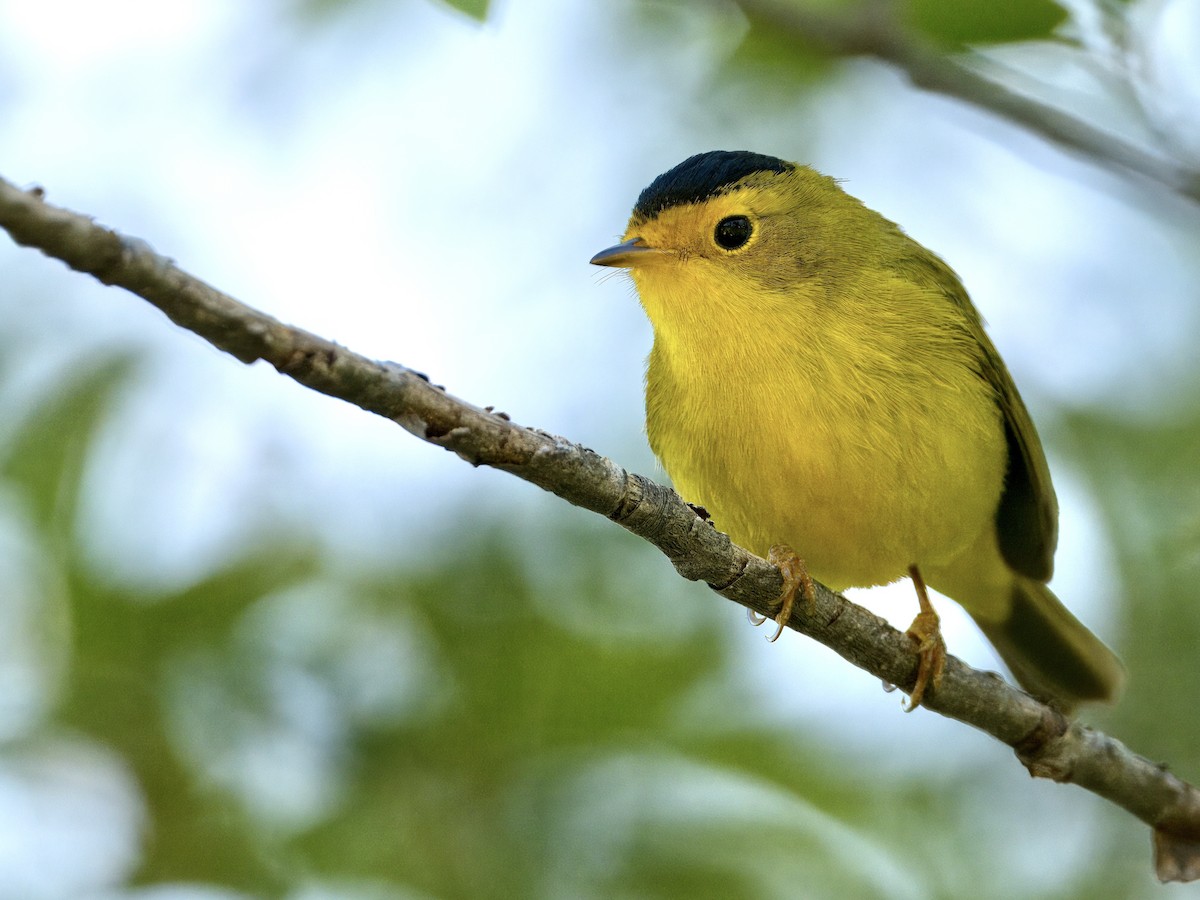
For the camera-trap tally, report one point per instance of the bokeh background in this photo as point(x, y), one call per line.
point(256, 643)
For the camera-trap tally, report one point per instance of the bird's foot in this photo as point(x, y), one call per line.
point(796, 580)
point(926, 630)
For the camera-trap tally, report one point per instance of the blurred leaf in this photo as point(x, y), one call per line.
point(436, 797)
point(317, 12)
point(124, 648)
point(46, 456)
point(1146, 478)
point(954, 23)
point(476, 9)
point(767, 48)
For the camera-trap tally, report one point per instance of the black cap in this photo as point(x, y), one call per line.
point(702, 176)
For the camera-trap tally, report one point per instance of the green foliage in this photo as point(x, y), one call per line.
point(954, 23)
point(948, 23)
point(46, 456)
point(1146, 478)
point(574, 722)
point(476, 9)
point(466, 728)
point(766, 48)
point(317, 11)
point(494, 724)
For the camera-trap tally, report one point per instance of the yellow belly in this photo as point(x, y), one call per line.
point(864, 459)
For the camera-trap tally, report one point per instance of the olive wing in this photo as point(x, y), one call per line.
point(1027, 517)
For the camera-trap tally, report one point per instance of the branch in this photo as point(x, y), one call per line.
point(1045, 742)
point(869, 32)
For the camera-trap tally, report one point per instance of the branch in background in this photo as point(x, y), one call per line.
point(1044, 741)
point(868, 32)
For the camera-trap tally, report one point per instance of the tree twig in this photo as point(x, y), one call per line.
point(1044, 741)
point(866, 32)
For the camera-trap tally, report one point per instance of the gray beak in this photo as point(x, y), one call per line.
point(631, 253)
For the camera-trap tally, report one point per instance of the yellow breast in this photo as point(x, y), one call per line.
point(857, 432)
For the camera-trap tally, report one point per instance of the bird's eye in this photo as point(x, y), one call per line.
point(732, 232)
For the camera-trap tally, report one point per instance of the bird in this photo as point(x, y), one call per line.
point(821, 381)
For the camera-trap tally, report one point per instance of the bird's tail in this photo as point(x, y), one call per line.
point(1050, 652)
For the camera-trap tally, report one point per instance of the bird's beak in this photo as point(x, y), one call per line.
point(627, 255)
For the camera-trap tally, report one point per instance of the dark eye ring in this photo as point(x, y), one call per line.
point(732, 232)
